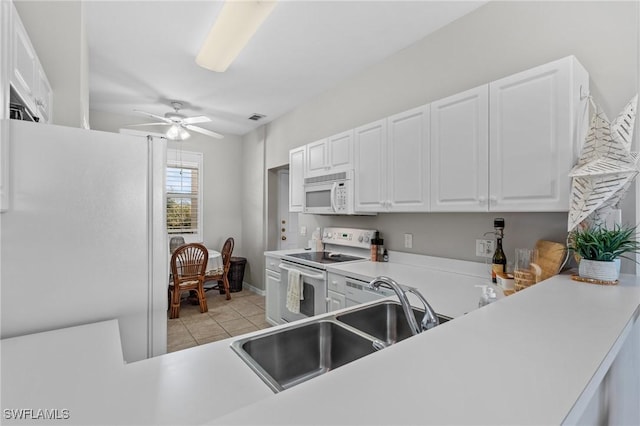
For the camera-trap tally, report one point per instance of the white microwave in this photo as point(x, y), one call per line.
point(329, 194)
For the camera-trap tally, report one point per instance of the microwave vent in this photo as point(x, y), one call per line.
point(326, 178)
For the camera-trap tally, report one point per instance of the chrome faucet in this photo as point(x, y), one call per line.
point(430, 318)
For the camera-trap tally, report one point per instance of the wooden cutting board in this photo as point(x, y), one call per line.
point(551, 256)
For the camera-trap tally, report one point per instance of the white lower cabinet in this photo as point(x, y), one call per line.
point(273, 288)
point(336, 292)
point(335, 301)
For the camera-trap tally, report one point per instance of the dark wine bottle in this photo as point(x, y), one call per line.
point(499, 261)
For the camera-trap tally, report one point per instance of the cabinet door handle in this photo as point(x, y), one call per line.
point(482, 199)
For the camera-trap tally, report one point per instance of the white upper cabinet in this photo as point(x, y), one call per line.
point(370, 143)
point(317, 161)
point(535, 125)
point(330, 155)
point(341, 151)
point(296, 178)
point(24, 63)
point(26, 76)
point(460, 151)
point(44, 97)
point(392, 163)
point(508, 146)
point(408, 161)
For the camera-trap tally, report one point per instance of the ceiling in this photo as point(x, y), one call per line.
point(142, 54)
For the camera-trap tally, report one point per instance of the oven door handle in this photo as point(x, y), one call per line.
point(312, 276)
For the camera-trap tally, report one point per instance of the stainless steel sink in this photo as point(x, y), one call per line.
point(290, 356)
point(384, 321)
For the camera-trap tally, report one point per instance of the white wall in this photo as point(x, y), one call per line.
point(223, 177)
point(253, 206)
point(56, 29)
point(496, 40)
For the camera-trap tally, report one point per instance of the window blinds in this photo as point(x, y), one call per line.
point(183, 206)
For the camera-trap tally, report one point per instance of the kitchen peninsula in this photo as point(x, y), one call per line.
point(536, 357)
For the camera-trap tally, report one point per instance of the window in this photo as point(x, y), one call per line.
point(184, 194)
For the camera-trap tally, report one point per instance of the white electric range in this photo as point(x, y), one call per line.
point(340, 245)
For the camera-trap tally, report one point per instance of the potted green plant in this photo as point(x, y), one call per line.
point(600, 250)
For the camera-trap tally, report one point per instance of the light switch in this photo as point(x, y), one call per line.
point(408, 240)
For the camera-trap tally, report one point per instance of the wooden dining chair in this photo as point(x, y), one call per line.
point(222, 275)
point(188, 268)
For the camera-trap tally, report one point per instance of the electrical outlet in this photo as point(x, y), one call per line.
point(303, 230)
point(408, 240)
point(485, 248)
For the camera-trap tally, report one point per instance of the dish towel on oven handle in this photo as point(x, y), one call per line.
point(294, 291)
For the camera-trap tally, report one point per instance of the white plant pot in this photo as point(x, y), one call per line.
point(599, 270)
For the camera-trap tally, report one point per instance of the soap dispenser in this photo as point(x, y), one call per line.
point(488, 295)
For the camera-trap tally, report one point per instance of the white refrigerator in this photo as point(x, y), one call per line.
point(82, 233)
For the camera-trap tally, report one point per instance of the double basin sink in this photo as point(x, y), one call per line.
point(289, 356)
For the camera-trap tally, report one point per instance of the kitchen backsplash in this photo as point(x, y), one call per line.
point(451, 235)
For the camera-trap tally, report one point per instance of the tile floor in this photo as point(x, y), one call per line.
point(226, 318)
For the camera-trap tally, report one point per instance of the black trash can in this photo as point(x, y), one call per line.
point(236, 273)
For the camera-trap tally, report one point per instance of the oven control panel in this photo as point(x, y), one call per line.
point(351, 237)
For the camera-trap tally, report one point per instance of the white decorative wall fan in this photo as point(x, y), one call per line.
point(180, 123)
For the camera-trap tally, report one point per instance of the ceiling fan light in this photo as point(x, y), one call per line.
point(237, 23)
point(177, 133)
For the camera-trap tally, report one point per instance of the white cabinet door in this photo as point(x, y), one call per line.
point(460, 152)
point(408, 161)
point(317, 161)
point(370, 143)
point(532, 135)
point(43, 97)
point(340, 151)
point(296, 179)
point(272, 302)
point(23, 63)
point(335, 301)
point(330, 155)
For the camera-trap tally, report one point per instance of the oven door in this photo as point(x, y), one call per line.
point(314, 291)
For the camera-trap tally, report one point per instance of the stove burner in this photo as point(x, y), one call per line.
point(325, 257)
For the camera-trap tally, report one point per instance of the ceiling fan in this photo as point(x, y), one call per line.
point(179, 123)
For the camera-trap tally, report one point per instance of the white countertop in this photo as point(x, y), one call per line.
point(525, 359)
point(449, 293)
point(81, 369)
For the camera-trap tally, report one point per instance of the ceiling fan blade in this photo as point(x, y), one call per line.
point(196, 120)
point(159, 117)
point(203, 131)
point(150, 124)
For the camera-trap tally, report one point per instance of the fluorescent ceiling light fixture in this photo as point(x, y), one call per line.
point(237, 23)
point(177, 133)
